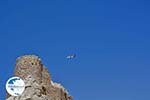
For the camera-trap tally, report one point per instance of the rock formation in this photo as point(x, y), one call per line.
point(38, 83)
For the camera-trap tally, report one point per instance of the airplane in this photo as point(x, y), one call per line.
point(71, 56)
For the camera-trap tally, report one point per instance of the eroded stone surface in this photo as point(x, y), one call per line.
point(39, 85)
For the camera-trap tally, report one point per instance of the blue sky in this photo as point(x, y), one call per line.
point(110, 37)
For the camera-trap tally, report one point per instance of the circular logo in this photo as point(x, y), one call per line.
point(15, 86)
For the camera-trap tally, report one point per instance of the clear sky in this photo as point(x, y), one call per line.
point(110, 37)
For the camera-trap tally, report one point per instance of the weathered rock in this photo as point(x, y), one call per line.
point(38, 83)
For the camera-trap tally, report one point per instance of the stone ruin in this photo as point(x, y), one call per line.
point(38, 82)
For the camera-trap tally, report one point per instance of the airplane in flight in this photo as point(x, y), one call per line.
point(72, 56)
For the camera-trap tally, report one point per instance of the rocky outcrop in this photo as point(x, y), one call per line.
point(39, 85)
